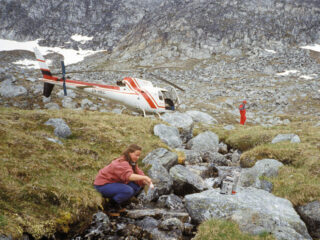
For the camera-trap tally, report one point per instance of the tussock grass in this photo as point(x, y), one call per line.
point(225, 230)
point(45, 186)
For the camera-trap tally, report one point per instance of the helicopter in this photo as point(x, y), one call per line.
point(135, 93)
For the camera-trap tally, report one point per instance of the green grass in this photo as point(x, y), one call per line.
point(214, 229)
point(45, 186)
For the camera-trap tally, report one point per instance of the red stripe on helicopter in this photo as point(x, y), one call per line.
point(149, 94)
point(135, 87)
point(93, 84)
point(47, 75)
point(41, 60)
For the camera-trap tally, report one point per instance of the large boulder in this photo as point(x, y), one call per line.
point(250, 177)
point(310, 213)
point(162, 182)
point(204, 142)
point(169, 135)
point(8, 90)
point(182, 121)
point(161, 156)
point(256, 211)
point(186, 181)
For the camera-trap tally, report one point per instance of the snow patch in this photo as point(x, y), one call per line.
point(286, 73)
point(71, 56)
point(80, 38)
point(308, 77)
point(270, 51)
point(315, 47)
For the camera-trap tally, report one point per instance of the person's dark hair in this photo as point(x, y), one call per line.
point(132, 148)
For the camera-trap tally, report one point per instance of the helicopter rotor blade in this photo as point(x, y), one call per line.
point(164, 80)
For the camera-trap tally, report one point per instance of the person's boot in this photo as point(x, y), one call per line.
point(115, 209)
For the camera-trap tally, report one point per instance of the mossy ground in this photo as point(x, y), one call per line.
point(47, 187)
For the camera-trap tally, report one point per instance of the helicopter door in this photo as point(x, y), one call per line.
point(169, 99)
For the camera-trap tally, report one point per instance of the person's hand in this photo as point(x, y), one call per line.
point(147, 180)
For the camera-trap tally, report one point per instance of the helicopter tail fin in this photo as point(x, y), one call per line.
point(47, 87)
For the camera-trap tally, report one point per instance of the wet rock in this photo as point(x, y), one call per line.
point(171, 202)
point(171, 224)
point(99, 227)
point(158, 213)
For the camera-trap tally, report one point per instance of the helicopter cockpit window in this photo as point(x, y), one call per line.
point(120, 83)
point(160, 95)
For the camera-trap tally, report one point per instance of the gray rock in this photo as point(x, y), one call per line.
point(148, 223)
point(158, 213)
point(185, 181)
point(202, 117)
point(310, 214)
point(254, 210)
point(191, 157)
point(172, 224)
point(229, 127)
point(100, 225)
point(170, 201)
point(61, 129)
point(67, 102)
point(182, 121)
point(204, 142)
point(169, 135)
point(161, 156)
point(86, 103)
point(52, 106)
point(215, 158)
point(250, 177)
point(286, 137)
point(8, 90)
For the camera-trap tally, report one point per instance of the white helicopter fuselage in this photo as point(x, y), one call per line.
point(135, 93)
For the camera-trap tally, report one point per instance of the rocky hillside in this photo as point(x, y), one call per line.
point(150, 24)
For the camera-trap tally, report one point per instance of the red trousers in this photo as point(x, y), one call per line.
point(242, 117)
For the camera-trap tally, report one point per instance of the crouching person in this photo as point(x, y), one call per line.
point(121, 179)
